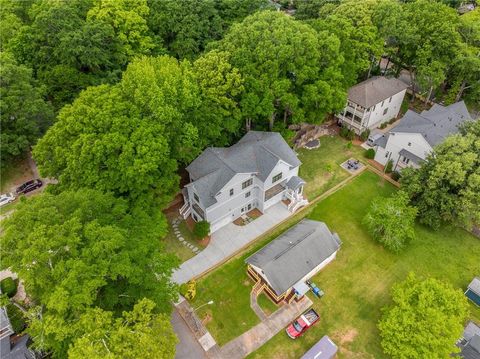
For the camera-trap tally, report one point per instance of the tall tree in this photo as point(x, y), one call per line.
point(391, 221)
point(81, 249)
point(101, 141)
point(218, 118)
point(446, 188)
point(24, 113)
point(140, 333)
point(289, 70)
point(426, 317)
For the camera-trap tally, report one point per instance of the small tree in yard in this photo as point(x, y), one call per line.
point(202, 229)
point(389, 166)
point(426, 317)
point(391, 220)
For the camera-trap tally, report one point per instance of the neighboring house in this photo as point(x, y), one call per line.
point(469, 344)
point(11, 346)
point(372, 102)
point(410, 142)
point(282, 266)
point(258, 171)
point(473, 291)
point(324, 349)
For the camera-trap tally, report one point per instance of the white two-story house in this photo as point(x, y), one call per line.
point(372, 102)
point(258, 171)
point(410, 142)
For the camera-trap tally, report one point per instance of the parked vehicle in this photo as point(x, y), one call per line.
point(302, 323)
point(373, 137)
point(29, 186)
point(6, 199)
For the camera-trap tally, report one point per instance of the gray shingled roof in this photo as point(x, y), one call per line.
point(411, 156)
point(435, 124)
point(375, 90)
point(474, 285)
point(381, 141)
point(295, 253)
point(324, 349)
point(256, 152)
point(295, 182)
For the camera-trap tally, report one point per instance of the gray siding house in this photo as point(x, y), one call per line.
point(258, 171)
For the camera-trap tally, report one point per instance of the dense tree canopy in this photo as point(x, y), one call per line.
point(426, 317)
point(24, 113)
point(140, 333)
point(391, 221)
point(446, 189)
point(82, 249)
point(289, 69)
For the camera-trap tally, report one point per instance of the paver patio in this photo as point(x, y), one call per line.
point(227, 241)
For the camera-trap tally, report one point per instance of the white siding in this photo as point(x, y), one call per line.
point(376, 116)
point(412, 142)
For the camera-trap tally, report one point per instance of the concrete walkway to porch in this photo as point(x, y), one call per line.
point(254, 338)
point(227, 241)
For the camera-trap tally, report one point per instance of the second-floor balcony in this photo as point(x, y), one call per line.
point(273, 191)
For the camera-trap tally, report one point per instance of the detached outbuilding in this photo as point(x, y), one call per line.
point(324, 349)
point(473, 291)
point(282, 267)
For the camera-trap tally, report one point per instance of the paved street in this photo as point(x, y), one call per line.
point(188, 347)
point(227, 240)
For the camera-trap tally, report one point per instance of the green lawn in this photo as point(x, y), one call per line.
point(356, 284)
point(173, 245)
point(321, 167)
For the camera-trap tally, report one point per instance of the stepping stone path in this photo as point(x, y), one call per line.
point(182, 240)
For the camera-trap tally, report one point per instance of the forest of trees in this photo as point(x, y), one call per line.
point(115, 97)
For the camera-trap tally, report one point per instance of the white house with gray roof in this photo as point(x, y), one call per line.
point(372, 102)
point(258, 171)
point(283, 265)
point(410, 142)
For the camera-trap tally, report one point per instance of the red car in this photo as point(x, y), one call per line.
point(302, 323)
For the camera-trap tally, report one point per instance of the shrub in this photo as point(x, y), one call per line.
point(370, 153)
point(202, 229)
point(345, 132)
point(383, 125)
point(349, 145)
point(396, 175)
point(17, 318)
point(364, 135)
point(189, 289)
point(8, 286)
point(389, 166)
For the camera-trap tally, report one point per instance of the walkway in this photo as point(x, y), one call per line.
point(254, 304)
point(254, 338)
point(227, 241)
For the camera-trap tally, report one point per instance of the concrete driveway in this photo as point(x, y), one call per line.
point(227, 241)
point(188, 346)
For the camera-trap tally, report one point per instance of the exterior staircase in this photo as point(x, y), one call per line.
point(185, 210)
point(296, 201)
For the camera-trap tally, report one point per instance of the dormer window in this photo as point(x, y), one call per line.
point(277, 177)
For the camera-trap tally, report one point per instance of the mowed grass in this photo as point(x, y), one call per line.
point(357, 284)
point(321, 166)
point(173, 245)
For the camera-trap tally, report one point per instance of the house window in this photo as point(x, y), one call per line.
point(373, 108)
point(243, 209)
point(247, 183)
point(247, 194)
point(390, 99)
point(386, 154)
point(409, 143)
point(382, 103)
point(276, 177)
point(196, 197)
point(231, 192)
point(385, 111)
point(195, 217)
point(249, 207)
point(405, 160)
